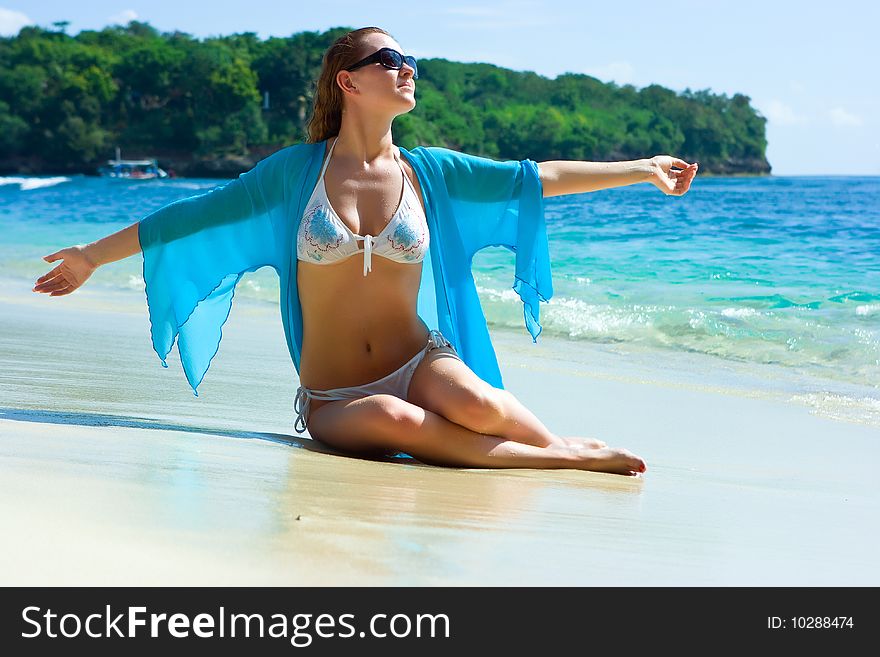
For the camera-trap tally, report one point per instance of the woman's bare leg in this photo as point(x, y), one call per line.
point(380, 422)
point(515, 421)
point(447, 386)
point(500, 413)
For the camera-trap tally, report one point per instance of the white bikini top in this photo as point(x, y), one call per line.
point(323, 238)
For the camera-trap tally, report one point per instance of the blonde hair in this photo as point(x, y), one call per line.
point(326, 118)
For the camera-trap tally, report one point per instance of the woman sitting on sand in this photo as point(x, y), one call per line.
point(375, 378)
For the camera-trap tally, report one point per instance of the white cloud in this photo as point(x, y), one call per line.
point(620, 71)
point(841, 117)
point(123, 17)
point(12, 21)
point(778, 112)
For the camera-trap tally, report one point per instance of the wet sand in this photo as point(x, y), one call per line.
point(113, 473)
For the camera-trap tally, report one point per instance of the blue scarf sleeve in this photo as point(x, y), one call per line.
point(195, 251)
point(474, 202)
point(501, 203)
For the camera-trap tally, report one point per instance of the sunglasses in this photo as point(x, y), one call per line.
point(389, 58)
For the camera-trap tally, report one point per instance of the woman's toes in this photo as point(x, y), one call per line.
point(632, 461)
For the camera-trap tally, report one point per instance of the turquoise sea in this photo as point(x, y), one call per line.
point(780, 274)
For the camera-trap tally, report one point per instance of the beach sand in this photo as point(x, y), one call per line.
point(114, 473)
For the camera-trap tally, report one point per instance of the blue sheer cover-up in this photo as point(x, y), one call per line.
point(195, 250)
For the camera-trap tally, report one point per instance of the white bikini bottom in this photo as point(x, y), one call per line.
point(396, 383)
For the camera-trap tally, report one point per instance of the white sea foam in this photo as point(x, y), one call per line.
point(739, 312)
point(861, 410)
point(576, 317)
point(498, 295)
point(26, 184)
point(868, 309)
point(581, 318)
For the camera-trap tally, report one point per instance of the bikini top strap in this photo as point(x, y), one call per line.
point(405, 177)
point(329, 155)
point(396, 157)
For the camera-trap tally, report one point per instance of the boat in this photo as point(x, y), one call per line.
point(131, 169)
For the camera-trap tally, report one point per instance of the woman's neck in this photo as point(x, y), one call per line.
point(365, 144)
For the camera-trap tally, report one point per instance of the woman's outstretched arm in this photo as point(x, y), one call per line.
point(119, 245)
point(574, 177)
point(79, 262)
point(229, 227)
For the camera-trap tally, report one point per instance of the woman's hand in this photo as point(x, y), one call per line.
point(674, 182)
point(74, 270)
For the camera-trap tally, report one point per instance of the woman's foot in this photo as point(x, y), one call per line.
point(609, 459)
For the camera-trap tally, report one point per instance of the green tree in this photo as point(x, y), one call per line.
point(69, 99)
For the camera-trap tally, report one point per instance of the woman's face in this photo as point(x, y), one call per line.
point(376, 86)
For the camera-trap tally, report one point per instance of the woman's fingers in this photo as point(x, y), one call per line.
point(684, 185)
point(66, 277)
point(62, 291)
point(57, 284)
point(679, 184)
point(50, 274)
point(675, 182)
point(40, 287)
point(686, 175)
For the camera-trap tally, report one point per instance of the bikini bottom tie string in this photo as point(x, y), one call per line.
point(301, 406)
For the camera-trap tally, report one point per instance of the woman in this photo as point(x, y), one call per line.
point(374, 377)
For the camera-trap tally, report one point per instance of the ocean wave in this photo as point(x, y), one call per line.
point(825, 346)
point(770, 301)
point(26, 184)
point(740, 312)
point(855, 296)
point(860, 410)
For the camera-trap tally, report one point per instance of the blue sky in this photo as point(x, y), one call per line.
point(808, 67)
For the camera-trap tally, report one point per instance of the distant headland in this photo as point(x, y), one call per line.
point(214, 107)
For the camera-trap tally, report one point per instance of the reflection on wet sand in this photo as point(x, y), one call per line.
point(391, 517)
point(273, 508)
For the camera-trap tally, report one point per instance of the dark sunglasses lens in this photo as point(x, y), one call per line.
point(390, 58)
point(393, 59)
